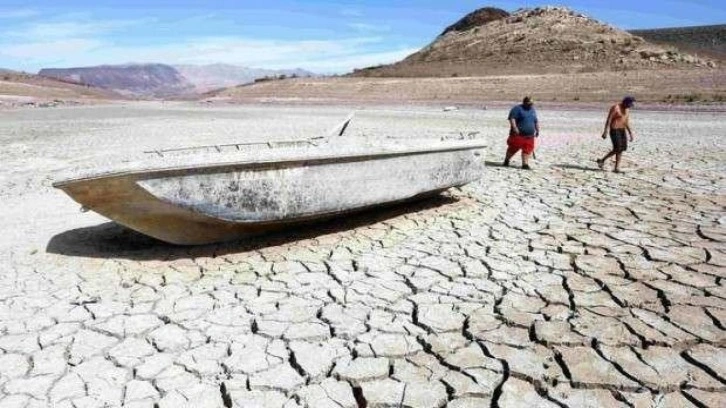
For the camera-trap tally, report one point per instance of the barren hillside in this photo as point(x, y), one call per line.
point(26, 89)
point(157, 80)
point(708, 41)
point(656, 86)
point(477, 18)
point(165, 81)
point(535, 41)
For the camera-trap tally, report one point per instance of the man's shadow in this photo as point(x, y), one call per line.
point(490, 163)
point(111, 240)
point(576, 167)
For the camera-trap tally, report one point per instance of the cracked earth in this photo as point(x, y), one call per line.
point(560, 287)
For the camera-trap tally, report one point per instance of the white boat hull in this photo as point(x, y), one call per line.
point(224, 201)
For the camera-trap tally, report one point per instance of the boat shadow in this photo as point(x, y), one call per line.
point(112, 240)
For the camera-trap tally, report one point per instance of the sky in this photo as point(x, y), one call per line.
point(324, 36)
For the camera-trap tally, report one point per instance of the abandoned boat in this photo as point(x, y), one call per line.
point(201, 203)
point(200, 199)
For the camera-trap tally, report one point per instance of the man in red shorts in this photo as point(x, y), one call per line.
point(523, 129)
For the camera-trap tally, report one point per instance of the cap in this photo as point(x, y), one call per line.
point(527, 100)
point(628, 101)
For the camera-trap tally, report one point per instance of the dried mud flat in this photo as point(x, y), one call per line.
point(563, 286)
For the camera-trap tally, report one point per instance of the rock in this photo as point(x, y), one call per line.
point(329, 394)
point(315, 359)
point(69, 386)
point(383, 393)
point(587, 368)
point(279, 378)
point(362, 369)
point(424, 394)
point(440, 318)
point(13, 365)
point(584, 398)
point(516, 392)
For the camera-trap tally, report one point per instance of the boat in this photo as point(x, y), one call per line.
point(227, 193)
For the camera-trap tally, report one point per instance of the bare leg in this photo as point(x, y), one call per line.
point(617, 161)
point(609, 155)
point(510, 152)
point(601, 162)
point(525, 159)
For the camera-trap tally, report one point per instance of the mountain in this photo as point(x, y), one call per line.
point(214, 76)
point(157, 80)
point(161, 80)
point(19, 88)
point(533, 41)
point(708, 41)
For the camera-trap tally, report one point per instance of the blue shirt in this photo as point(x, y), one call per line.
point(525, 120)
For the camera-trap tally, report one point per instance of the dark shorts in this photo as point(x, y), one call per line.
point(619, 139)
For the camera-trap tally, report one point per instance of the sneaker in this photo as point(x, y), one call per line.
point(600, 163)
point(526, 167)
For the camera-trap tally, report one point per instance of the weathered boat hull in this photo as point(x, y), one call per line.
point(220, 202)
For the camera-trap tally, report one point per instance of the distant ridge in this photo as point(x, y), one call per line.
point(131, 79)
point(533, 41)
point(708, 41)
point(20, 88)
point(162, 80)
point(214, 76)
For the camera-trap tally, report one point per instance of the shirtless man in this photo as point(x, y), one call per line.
point(618, 123)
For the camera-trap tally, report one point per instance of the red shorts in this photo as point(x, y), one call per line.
point(517, 142)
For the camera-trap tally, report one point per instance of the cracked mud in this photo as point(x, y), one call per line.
point(560, 287)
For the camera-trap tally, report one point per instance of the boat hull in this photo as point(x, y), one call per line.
point(206, 204)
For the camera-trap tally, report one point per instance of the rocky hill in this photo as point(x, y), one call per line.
point(22, 89)
point(161, 80)
point(477, 18)
point(707, 41)
point(533, 41)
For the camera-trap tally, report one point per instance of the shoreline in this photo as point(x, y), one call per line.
point(697, 90)
point(379, 103)
point(482, 105)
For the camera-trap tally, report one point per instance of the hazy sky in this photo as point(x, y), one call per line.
point(326, 36)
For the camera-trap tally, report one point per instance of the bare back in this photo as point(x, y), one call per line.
point(619, 117)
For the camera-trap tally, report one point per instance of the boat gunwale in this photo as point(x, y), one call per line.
point(265, 164)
